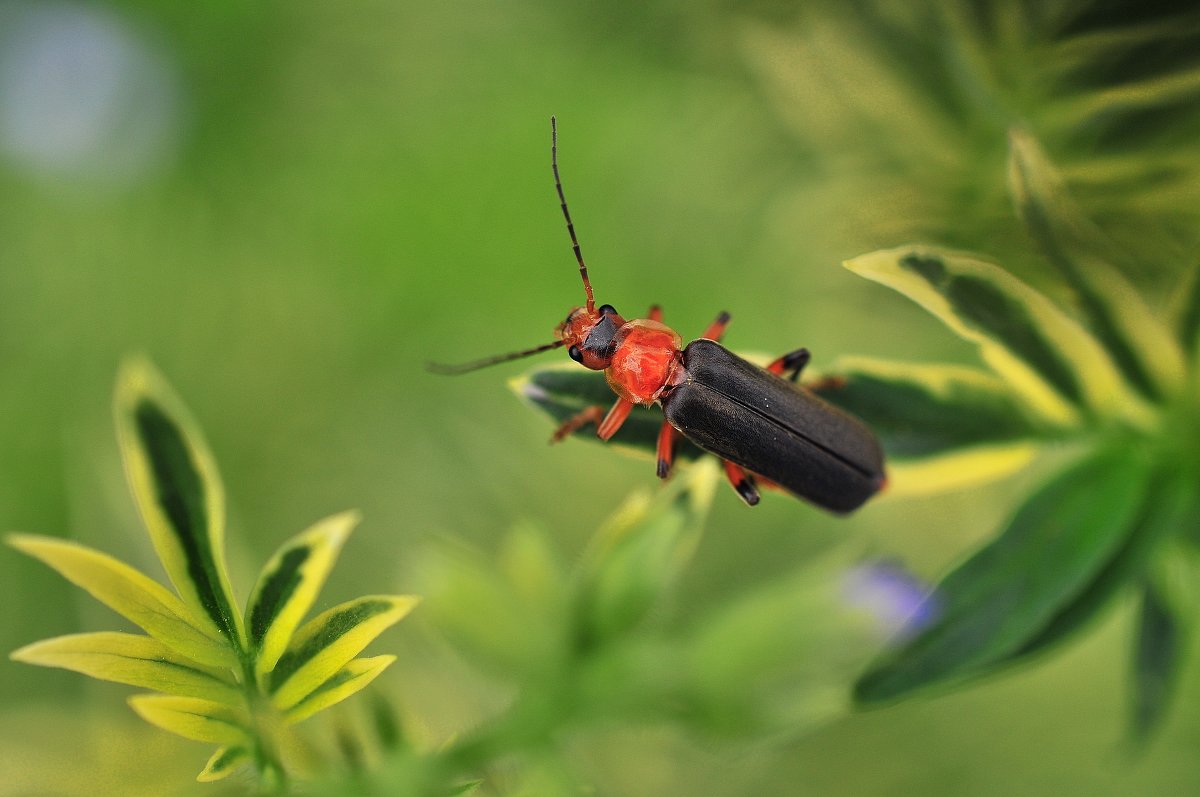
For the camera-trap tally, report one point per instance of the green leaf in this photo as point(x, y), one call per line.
point(1037, 349)
point(639, 553)
point(194, 718)
point(563, 390)
point(354, 676)
point(919, 410)
point(1156, 661)
point(133, 595)
point(134, 660)
point(289, 584)
point(224, 762)
point(329, 641)
point(1166, 508)
point(178, 491)
point(1005, 594)
point(1139, 343)
point(1186, 308)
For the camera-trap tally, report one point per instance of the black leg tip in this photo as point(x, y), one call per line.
point(664, 469)
point(748, 491)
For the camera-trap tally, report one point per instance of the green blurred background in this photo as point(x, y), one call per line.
point(291, 206)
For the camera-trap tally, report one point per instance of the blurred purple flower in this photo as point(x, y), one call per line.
point(897, 600)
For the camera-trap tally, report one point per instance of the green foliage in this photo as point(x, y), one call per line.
point(603, 643)
point(226, 679)
point(1116, 384)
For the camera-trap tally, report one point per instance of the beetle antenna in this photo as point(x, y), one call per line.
point(455, 370)
point(587, 285)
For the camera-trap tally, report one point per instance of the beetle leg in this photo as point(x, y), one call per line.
point(717, 328)
point(655, 313)
point(616, 416)
point(742, 482)
point(667, 437)
point(791, 363)
point(593, 414)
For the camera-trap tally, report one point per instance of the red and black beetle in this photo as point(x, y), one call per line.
point(763, 427)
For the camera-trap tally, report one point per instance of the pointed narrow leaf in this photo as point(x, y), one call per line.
point(1168, 504)
point(133, 595)
point(224, 762)
point(193, 718)
point(178, 491)
point(919, 409)
point(639, 553)
point(131, 659)
point(1156, 660)
point(563, 390)
point(289, 584)
point(330, 640)
point(1142, 347)
point(1005, 594)
point(354, 676)
point(1038, 350)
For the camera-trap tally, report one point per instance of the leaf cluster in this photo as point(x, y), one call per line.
point(232, 678)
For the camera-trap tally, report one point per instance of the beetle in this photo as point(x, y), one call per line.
point(766, 429)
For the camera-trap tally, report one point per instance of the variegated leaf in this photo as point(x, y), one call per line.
point(324, 645)
point(562, 390)
point(134, 660)
point(350, 679)
point(289, 584)
point(959, 469)
point(133, 595)
point(224, 762)
point(920, 410)
point(1041, 353)
point(1142, 347)
point(178, 491)
point(194, 718)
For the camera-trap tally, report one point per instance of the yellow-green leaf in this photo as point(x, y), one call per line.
point(194, 718)
point(1041, 352)
point(958, 469)
point(330, 640)
point(224, 762)
point(133, 595)
point(134, 660)
point(1141, 345)
point(178, 491)
point(345, 682)
point(289, 584)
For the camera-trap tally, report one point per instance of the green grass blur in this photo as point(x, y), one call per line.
point(357, 189)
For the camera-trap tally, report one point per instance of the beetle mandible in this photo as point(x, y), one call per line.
point(766, 429)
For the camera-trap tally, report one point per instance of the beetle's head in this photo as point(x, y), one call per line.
point(591, 337)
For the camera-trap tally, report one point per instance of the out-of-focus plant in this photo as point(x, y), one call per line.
point(601, 644)
point(230, 678)
point(903, 109)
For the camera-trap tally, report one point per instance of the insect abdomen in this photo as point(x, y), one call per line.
point(767, 425)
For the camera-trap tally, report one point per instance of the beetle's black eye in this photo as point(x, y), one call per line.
point(575, 354)
point(607, 309)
